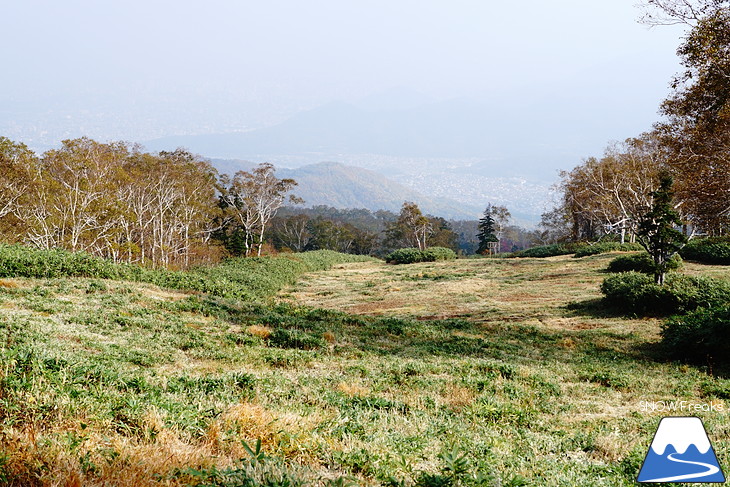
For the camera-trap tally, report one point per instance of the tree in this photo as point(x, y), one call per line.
point(71, 204)
point(554, 226)
point(657, 232)
point(673, 12)
point(696, 129)
point(501, 216)
point(253, 198)
point(330, 235)
point(608, 195)
point(442, 234)
point(487, 231)
point(291, 232)
point(17, 163)
point(411, 229)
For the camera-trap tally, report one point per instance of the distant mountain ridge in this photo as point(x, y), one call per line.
point(520, 140)
point(335, 184)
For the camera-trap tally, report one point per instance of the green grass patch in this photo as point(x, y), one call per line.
point(116, 383)
point(239, 278)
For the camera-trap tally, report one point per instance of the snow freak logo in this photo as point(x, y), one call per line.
point(681, 452)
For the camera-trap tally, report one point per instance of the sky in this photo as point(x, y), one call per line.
point(143, 69)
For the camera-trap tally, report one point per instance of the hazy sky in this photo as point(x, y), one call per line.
point(167, 61)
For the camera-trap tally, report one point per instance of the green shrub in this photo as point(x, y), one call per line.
point(641, 262)
point(636, 293)
point(404, 256)
point(433, 254)
point(551, 250)
point(412, 255)
point(239, 278)
point(301, 340)
point(603, 247)
point(699, 336)
point(708, 250)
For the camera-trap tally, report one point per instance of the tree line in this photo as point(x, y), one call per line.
point(691, 144)
point(114, 200)
point(172, 209)
point(362, 231)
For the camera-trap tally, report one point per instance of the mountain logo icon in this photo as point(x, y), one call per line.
point(681, 452)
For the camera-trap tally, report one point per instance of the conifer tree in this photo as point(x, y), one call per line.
point(657, 232)
point(486, 231)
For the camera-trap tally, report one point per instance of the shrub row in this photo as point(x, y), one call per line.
point(412, 255)
point(239, 278)
point(636, 293)
point(550, 250)
point(580, 249)
point(701, 333)
point(708, 250)
point(640, 263)
point(603, 247)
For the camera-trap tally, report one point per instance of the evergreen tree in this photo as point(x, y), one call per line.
point(486, 231)
point(657, 232)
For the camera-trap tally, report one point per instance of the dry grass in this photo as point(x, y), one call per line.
point(458, 397)
point(491, 291)
point(522, 381)
point(260, 331)
point(352, 389)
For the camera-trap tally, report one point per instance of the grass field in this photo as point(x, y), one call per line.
point(469, 372)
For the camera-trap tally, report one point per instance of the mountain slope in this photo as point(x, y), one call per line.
point(341, 186)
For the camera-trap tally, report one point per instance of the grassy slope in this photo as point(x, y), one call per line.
point(128, 384)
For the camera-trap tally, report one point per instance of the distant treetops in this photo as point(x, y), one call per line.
point(116, 201)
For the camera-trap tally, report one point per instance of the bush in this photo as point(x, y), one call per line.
point(708, 250)
point(636, 293)
point(640, 263)
point(412, 255)
point(551, 250)
point(700, 335)
point(301, 340)
point(603, 247)
point(404, 256)
point(238, 278)
point(433, 254)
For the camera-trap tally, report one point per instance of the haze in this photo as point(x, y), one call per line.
point(143, 70)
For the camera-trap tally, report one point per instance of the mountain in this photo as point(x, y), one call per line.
point(341, 186)
point(464, 150)
point(516, 140)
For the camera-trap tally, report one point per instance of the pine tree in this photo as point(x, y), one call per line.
point(657, 232)
point(486, 231)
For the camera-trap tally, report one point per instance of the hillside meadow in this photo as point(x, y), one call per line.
point(489, 372)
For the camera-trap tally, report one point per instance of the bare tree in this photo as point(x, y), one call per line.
point(411, 228)
point(293, 232)
point(253, 198)
point(16, 166)
point(678, 12)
